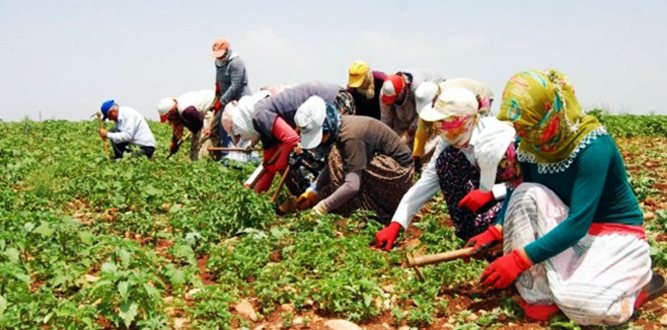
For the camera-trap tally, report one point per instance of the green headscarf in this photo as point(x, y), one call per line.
point(546, 114)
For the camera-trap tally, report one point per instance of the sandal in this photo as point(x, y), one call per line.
point(657, 287)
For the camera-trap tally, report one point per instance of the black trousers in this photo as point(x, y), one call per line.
point(120, 148)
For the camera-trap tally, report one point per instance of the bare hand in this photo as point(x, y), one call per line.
point(103, 133)
point(206, 132)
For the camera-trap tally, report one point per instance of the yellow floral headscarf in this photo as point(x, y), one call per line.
point(546, 114)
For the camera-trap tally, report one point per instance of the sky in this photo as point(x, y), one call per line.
point(64, 58)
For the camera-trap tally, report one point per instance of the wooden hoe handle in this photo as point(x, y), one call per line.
point(272, 160)
point(232, 149)
point(438, 257)
point(104, 140)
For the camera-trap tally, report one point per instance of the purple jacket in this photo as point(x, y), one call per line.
point(285, 104)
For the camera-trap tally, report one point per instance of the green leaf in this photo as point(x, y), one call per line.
point(122, 289)
point(29, 226)
point(86, 237)
point(278, 232)
point(152, 292)
point(44, 229)
point(109, 267)
point(12, 254)
point(150, 190)
point(125, 257)
point(100, 284)
point(185, 251)
point(23, 278)
point(46, 318)
point(128, 311)
point(3, 305)
point(368, 299)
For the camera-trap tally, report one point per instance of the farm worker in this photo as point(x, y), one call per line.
point(573, 232)
point(424, 146)
point(473, 164)
point(365, 85)
point(368, 166)
point(191, 111)
point(272, 119)
point(397, 101)
point(231, 83)
point(131, 129)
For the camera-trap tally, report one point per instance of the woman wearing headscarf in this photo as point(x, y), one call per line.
point(473, 164)
point(368, 166)
point(424, 96)
point(573, 231)
point(397, 101)
point(365, 85)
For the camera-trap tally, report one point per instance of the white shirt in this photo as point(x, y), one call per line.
point(428, 184)
point(132, 127)
point(202, 100)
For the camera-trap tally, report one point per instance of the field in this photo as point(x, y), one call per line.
point(137, 244)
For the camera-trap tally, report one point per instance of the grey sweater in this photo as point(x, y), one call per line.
point(232, 79)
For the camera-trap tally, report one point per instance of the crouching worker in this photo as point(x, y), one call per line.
point(191, 111)
point(473, 165)
point(273, 119)
point(131, 129)
point(573, 232)
point(368, 166)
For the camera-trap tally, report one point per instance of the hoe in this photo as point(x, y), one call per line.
point(428, 259)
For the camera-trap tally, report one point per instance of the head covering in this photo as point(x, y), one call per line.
point(241, 116)
point(456, 111)
point(163, 107)
point(219, 48)
point(546, 114)
point(227, 116)
point(357, 72)
point(425, 95)
point(391, 88)
point(106, 106)
point(310, 118)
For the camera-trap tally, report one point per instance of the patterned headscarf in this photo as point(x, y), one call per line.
point(331, 125)
point(546, 114)
point(459, 109)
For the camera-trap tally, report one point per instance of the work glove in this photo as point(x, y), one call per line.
point(307, 200)
point(502, 272)
point(475, 199)
point(418, 163)
point(485, 239)
point(387, 235)
point(320, 209)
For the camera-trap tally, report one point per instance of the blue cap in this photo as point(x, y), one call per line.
point(106, 106)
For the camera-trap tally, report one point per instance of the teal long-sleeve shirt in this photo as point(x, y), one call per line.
point(595, 187)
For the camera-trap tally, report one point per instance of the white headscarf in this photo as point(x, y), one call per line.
point(241, 116)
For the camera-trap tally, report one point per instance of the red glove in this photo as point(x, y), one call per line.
point(484, 239)
point(475, 199)
point(502, 272)
point(387, 235)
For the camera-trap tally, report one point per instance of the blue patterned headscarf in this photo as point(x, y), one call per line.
point(331, 125)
